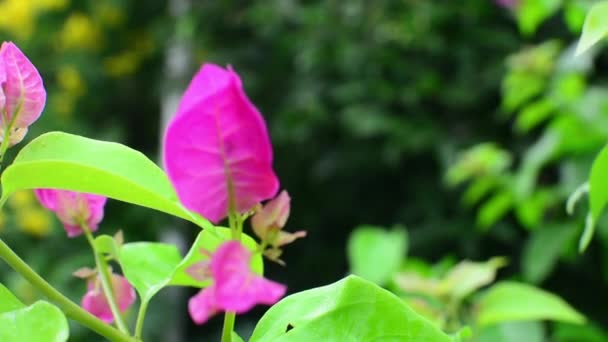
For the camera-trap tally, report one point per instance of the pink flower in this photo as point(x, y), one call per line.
point(95, 302)
point(73, 208)
point(22, 94)
point(236, 288)
point(217, 151)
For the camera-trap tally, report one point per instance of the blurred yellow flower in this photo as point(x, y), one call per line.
point(19, 16)
point(109, 14)
point(63, 103)
point(34, 221)
point(122, 64)
point(22, 199)
point(69, 79)
point(80, 32)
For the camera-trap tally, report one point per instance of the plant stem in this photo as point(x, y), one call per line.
point(106, 281)
point(72, 310)
point(139, 326)
point(229, 319)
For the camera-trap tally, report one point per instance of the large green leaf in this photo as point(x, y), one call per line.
point(511, 301)
point(375, 253)
point(352, 309)
point(71, 162)
point(595, 27)
point(8, 301)
point(150, 266)
point(41, 321)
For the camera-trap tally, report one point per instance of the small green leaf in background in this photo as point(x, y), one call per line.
point(236, 337)
point(532, 13)
point(543, 249)
point(511, 301)
point(352, 309)
point(38, 322)
point(494, 209)
point(598, 194)
point(106, 244)
point(595, 27)
point(468, 276)
point(563, 332)
point(71, 162)
point(512, 332)
point(8, 301)
point(375, 253)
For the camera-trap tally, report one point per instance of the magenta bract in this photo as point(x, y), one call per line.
point(217, 149)
point(22, 95)
point(236, 288)
point(72, 208)
point(95, 302)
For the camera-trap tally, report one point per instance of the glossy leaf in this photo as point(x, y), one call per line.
point(352, 309)
point(41, 321)
point(511, 301)
point(65, 161)
point(595, 27)
point(375, 253)
point(468, 276)
point(8, 301)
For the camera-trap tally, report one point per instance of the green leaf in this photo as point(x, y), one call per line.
point(512, 332)
point(351, 309)
point(511, 301)
point(595, 27)
point(563, 332)
point(107, 245)
point(494, 209)
point(543, 249)
point(41, 321)
point(71, 162)
point(375, 253)
point(8, 301)
point(598, 194)
point(236, 337)
point(150, 266)
point(532, 13)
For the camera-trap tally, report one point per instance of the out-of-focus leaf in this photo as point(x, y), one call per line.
point(468, 276)
point(543, 249)
point(511, 301)
point(480, 160)
point(595, 27)
point(40, 321)
point(532, 13)
point(351, 309)
point(375, 253)
point(564, 332)
point(534, 114)
point(477, 189)
point(512, 332)
point(494, 209)
point(8, 301)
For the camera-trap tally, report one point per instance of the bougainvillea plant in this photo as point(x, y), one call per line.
point(218, 174)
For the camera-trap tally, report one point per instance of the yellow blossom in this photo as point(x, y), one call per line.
point(69, 79)
point(80, 32)
point(34, 221)
point(122, 64)
point(22, 199)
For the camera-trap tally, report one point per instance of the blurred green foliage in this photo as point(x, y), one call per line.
point(370, 104)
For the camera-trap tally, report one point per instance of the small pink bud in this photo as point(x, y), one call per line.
point(272, 217)
point(22, 93)
point(236, 288)
point(73, 208)
point(95, 302)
